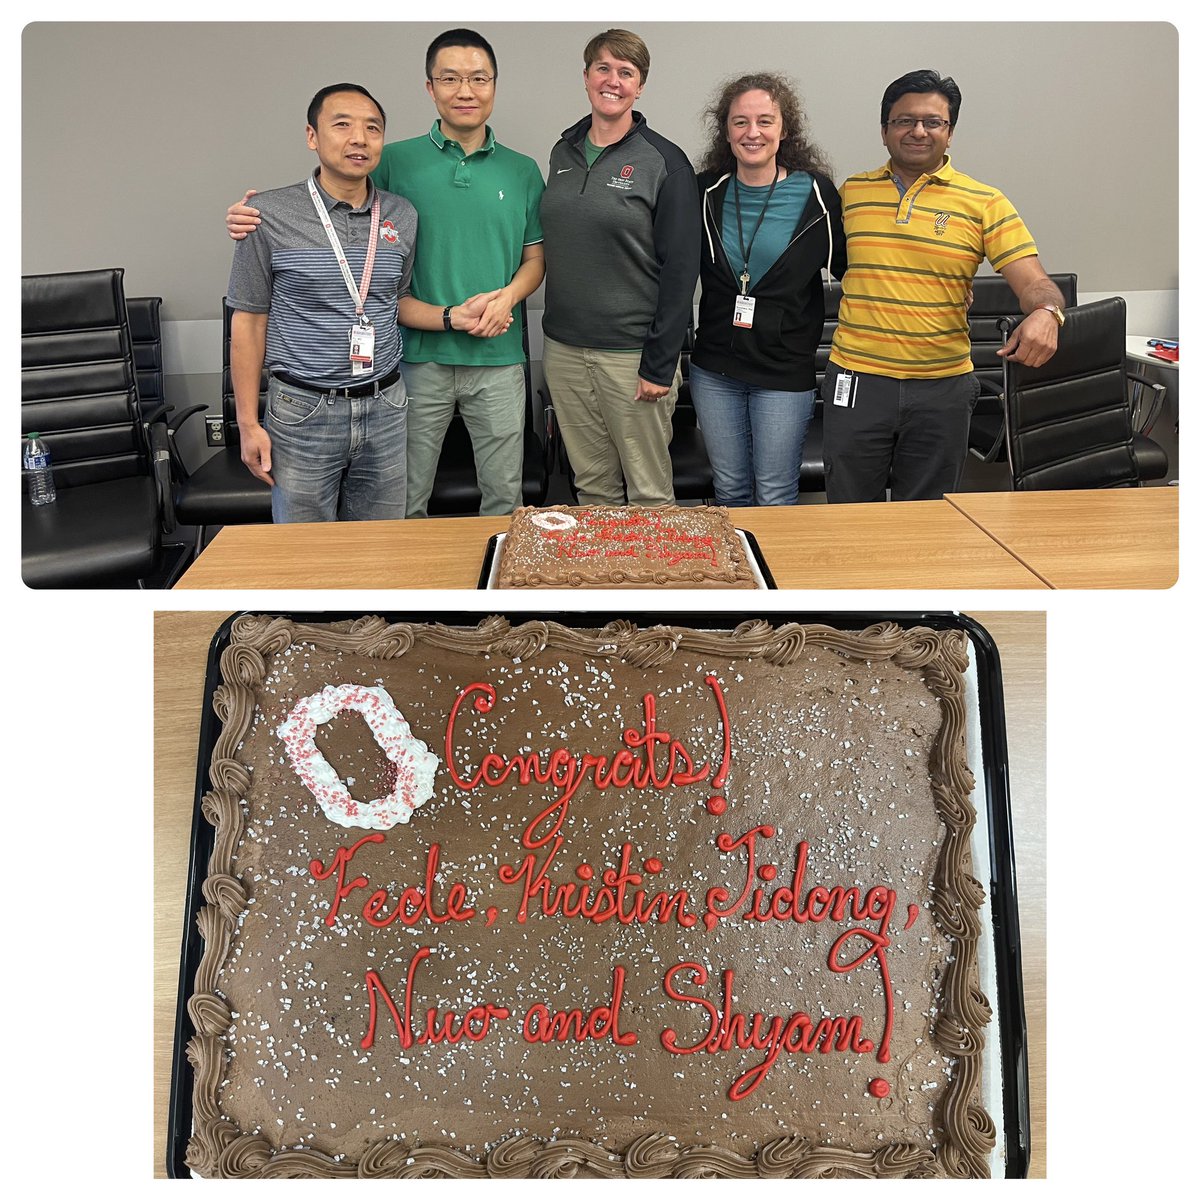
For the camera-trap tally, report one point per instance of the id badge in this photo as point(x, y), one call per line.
point(743, 312)
point(362, 348)
point(843, 390)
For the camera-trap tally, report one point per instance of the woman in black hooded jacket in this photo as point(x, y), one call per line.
point(772, 222)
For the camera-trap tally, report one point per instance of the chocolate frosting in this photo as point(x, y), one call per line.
point(852, 741)
point(609, 547)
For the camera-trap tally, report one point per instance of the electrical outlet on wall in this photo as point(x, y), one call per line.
point(214, 428)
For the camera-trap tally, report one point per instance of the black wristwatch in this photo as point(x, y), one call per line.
point(446, 319)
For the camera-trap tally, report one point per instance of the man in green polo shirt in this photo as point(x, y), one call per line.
point(478, 232)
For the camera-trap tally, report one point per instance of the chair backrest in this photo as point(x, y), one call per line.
point(1069, 424)
point(228, 403)
point(995, 299)
point(145, 330)
point(78, 385)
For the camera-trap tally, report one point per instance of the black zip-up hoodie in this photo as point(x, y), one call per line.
point(789, 312)
point(622, 245)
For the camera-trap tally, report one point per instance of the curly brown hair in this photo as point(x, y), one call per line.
point(796, 152)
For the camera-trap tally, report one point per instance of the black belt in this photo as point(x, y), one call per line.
point(361, 389)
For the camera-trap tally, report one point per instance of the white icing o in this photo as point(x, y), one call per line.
point(555, 522)
point(415, 764)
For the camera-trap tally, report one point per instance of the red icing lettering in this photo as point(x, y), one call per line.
point(474, 1025)
point(793, 903)
point(629, 534)
point(340, 861)
point(415, 903)
point(793, 1034)
point(638, 764)
point(879, 1088)
point(617, 896)
point(603, 1022)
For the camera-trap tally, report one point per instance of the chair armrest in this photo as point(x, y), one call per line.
point(555, 451)
point(179, 418)
point(1144, 414)
point(173, 427)
point(992, 388)
point(160, 464)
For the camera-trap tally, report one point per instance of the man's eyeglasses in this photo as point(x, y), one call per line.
point(478, 81)
point(932, 124)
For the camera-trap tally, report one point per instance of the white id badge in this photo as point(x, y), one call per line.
point(841, 390)
point(743, 312)
point(362, 348)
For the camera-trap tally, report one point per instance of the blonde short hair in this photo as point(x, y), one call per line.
point(620, 43)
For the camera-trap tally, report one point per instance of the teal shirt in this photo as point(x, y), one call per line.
point(778, 227)
point(475, 216)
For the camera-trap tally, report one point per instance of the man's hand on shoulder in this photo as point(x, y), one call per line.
point(1034, 341)
point(241, 219)
point(256, 451)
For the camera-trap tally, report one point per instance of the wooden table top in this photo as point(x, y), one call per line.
point(921, 544)
point(181, 642)
point(1113, 538)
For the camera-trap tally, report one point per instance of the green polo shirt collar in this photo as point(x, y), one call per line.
point(441, 141)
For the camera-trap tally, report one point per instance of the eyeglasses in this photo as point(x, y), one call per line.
point(478, 81)
point(932, 124)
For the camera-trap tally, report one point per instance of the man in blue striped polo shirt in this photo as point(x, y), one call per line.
point(316, 298)
point(480, 236)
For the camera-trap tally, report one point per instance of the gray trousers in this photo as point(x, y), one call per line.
point(492, 403)
point(909, 435)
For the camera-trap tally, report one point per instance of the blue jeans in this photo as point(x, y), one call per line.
point(754, 437)
point(337, 458)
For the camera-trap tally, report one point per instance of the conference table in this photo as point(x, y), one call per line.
point(1125, 538)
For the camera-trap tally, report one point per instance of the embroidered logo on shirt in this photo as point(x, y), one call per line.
point(940, 221)
point(501, 193)
point(624, 181)
point(389, 233)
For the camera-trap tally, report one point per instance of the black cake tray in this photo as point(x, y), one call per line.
point(1009, 989)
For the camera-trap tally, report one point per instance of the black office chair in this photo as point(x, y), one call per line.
point(691, 469)
point(221, 490)
point(111, 470)
point(145, 331)
point(456, 490)
point(1068, 423)
point(995, 303)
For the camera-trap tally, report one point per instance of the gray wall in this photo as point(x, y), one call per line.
point(137, 136)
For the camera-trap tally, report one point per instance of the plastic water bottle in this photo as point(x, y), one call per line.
point(37, 464)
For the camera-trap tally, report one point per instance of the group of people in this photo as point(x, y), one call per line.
point(418, 253)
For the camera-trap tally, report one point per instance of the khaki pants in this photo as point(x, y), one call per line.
point(617, 445)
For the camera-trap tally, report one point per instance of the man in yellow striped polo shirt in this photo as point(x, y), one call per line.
point(899, 391)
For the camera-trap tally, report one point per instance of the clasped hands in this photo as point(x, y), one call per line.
point(487, 314)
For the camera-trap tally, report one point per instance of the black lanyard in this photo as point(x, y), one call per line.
point(746, 250)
